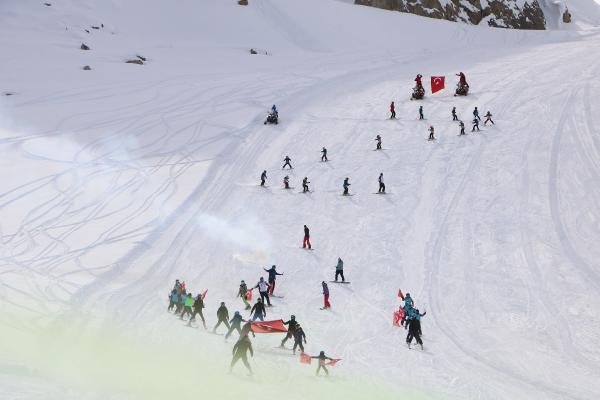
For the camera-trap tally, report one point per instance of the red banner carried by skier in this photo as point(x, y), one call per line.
point(269, 326)
point(437, 83)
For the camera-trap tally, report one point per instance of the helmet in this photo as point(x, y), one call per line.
point(407, 295)
point(222, 303)
point(321, 353)
point(293, 317)
point(273, 266)
point(261, 278)
point(237, 313)
point(242, 281)
point(258, 300)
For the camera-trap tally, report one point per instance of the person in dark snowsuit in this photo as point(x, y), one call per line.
point(381, 184)
point(198, 306)
point(488, 118)
point(263, 178)
point(324, 154)
point(346, 186)
point(306, 241)
point(378, 140)
point(339, 270)
point(305, 183)
point(287, 160)
point(272, 278)
point(393, 111)
point(431, 133)
point(462, 128)
point(274, 110)
point(421, 116)
point(292, 324)
point(414, 328)
point(299, 337)
point(263, 289)
point(476, 114)
point(258, 311)
point(240, 351)
point(475, 125)
point(235, 324)
point(454, 117)
point(325, 295)
point(222, 316)
point(172, 299)
point(286, 182)
point(243, 293)
point(247, 328)
point(322, 358)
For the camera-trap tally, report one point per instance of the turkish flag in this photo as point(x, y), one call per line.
point(400, 294)
point(333, 361)
point(437, 83)
point(269, 326)
point(305, 358)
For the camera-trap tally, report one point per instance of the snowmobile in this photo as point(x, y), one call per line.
point(272, 118)
point(418, 93)
point(462, 90)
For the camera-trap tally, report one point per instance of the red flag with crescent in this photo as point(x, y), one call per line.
point(269, 326)
point(437, 83)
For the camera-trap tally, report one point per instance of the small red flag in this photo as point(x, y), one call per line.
point(400, 294)
point(249, 295)
point(204, 294)
point(437, 83)
point(305, 358)
point(398, 315)
point(333, 361)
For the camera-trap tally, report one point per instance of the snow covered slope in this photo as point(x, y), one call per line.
point(118, 180)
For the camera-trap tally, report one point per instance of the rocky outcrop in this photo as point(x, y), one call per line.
point(519, 14)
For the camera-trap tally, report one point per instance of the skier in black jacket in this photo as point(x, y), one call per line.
point(236, 324)
point(292, 324)
point(272, 278)
point(475, 125)
point(378, 140)
point(346, 185)
point(198, 306)
point(462, 128)
point(240, 351)
point(324, 154)
point(222, 316)
point(454, 117)
point(263, 178)
point(258, 311)
point(299, 337)
point(414, 328)
point(305, 183)
point(287, 160)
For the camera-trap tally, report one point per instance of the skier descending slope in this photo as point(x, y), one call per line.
point(222, 317)
point(475, 125)
point(243, 293)
point(462, 128)
point(454, 117)
point(263, 178)
point(346, 185)
point(381, 184)
point(287, 160)
point(236, 323)
point(292, 325)
point(240, 351)
point(187, 306)
point(172, 299)
point(339, 270)
point(198, 306)
point(393, 111)
point(299, 337)
point(324, 154)
point(306, 241)
point(488, 118)
point(322, 358)
point(414, 327)
point(378, 140)
point(431, 133)
point(326, 304)
point(272, 278)
point(258, 311)
point(476, 114)
point(305, 183)
point(421, 115)
point(286, 182)
point(263, 289)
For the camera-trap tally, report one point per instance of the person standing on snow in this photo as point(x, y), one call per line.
point(393, 111)
point(292, 324)
point(243, 293)
point(272, 277)
point(306, 241)
point(462, 81)
point(454, 117)
point(305, 183)
point(274, 110)
point(381, 184)
point(247, 329)
point(378, 140)
point(324, 154)
point(462, 128)
point(258, 311)
point(488, 118)
point(418, 82)
point(263, 289)
point(299, 337)
point(198, 306)
point(172, 299)
point(286, 182)
point(263, 178)
point(240, 351)
point(431, 133)
point(326, 304)
point(475, 125)
point(222, 316)
point(322, 358)
point(287, 160)
point(235, 324)
point(346, 186)
point(476, 114)
point(421, 116)
point(187, 306)
point(414, 328)
point(339, 270)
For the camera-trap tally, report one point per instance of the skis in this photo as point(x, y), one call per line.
point(325, 308)
point(342, 282)
point(347, 195)
point(304, 248)
point(276, 296)
point(288, 188)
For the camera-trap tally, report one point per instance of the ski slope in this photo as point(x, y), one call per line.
point(119, 180)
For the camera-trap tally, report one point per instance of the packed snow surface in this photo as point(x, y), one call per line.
point(118, 180)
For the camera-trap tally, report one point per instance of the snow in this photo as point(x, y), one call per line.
point(119, 180)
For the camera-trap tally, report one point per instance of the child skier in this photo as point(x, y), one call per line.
point(414, 328)
point(378, 140)
point(381, 184)
point(198, 306)
point(287, 160)
point(476, 114)
point(475, 125)
point(324, 154)
point(240, 351)
point(339, 270)
point(235, 324)
point(393, 111)
point(421, 116)
point(172, 299)
point(454, 117)
point(306, 241)
point(222, 316)
point(187, 306)
point(488, 118)
point(243, 293)
point(299, 337)
point(346, 186)
point(305, 183)
point(326, 304)
point(431, 135)
point(462, 128)
point(263, 178)
point(286, 182)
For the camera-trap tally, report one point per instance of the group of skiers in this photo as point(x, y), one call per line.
point(411, 320)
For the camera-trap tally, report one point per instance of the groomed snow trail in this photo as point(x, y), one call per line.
point(492, 233)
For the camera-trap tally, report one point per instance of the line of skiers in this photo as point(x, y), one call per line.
point(411, 320)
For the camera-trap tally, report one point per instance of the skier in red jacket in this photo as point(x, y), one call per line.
point(418, 80)
point(462, 80)
point(393, 111)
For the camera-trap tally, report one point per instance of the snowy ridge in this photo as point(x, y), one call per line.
point(121, 179)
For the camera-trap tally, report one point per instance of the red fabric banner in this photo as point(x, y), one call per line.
point(400, 294)
point(437, 83)
point(269, 326)
point(333, 361)
point(398, 315)
point(305, 358)
point(249, 295)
